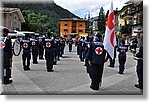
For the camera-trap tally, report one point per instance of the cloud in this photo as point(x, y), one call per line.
point(81, 7)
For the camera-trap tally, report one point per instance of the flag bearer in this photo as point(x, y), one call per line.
point(96, 59)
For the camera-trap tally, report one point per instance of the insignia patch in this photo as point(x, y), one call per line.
point(48, 44)
point(25, 45)
point(98, 50)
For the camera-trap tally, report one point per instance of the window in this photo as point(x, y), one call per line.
point(80, 25)
point(80, 31)
point(10, 14)
point(66, 24)
point(10, 23)
point(65, 30)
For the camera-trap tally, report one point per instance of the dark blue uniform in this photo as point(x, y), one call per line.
point(62, 47)
point(41, 49)
point(26, 56)
point(35, 50)
point(49, 53)
point(139, 68)
point(122, 49)
point(77, 44)
point(6, 48)
point(70, 42)
point(56, 51)
point(81, 50)
point(96, 59)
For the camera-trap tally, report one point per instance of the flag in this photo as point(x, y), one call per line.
point(110, 38)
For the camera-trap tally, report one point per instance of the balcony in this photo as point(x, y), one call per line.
point(126, 16)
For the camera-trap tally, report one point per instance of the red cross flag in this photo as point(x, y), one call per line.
point(110, 38)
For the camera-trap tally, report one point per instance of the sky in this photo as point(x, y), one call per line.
point(83, 7)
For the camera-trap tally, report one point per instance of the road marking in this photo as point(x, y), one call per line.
point(24, 85)
point(108, 81)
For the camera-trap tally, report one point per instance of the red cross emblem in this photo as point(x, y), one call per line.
point(33, 43)
point(2, 44)
point(48, 44)
point(98, 50)
point(40, 40)
point(25, 45)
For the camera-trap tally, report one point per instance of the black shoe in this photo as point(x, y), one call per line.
point(50, 70)
point(35, 62)
point(111, 66)
point(10, 81)
point(94, 88)
point(26, 69)
point(120, 73)
point(138, 86)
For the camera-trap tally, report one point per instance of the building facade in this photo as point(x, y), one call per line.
point(131, 16)
point(12, 18)
point(72, 27)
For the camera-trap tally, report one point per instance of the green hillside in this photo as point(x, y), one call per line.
point(42, 17)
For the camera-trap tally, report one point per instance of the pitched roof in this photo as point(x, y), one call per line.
point(12, 10)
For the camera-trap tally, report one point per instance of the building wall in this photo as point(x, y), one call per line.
point(11, 21)
point(68, 27)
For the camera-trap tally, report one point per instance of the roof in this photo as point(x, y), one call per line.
point(12, 10)
point(72, 19)
point(124, 8)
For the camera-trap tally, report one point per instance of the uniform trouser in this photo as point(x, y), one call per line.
point(95, 73)
point(122, 61)
point(78, 50)
point(57, 53)
point(26, 56)
point(81, 55)
point(62, 51)
point(70, 47)
point(112, 61)
point(140, 73)
point(49, 56)
point(49, 64)
point(41, 52)
point(6, 74)
point(34, 55)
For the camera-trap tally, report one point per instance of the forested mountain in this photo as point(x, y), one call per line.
point(41, 17)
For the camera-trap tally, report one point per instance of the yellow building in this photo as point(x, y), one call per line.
point(123, 16)
point(72, 27)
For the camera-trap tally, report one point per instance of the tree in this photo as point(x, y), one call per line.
point(101, 21)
